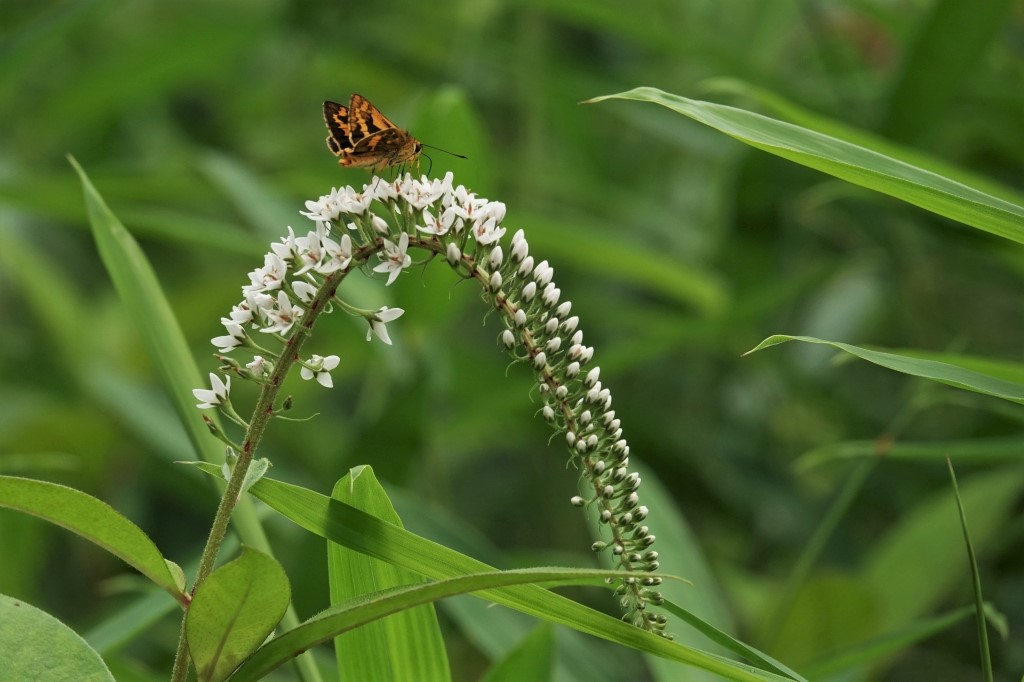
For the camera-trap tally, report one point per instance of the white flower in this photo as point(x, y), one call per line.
point(270, 276)
point(233, 339)
point(287, 248)
point(487, 231)
point(259, 367)
point(311, 251)
point(379, 320)
point(282, 316)
point(320, 368)
point(304, 290)
point(394, 259)
point(217, 396)
point(439, 225)
point(339, 255)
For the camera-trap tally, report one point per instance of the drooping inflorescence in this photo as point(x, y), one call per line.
point(373, 229)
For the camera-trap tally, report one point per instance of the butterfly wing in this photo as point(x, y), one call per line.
point(365, 120)
point(339, 137)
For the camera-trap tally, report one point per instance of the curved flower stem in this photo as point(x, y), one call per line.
point(257, 425)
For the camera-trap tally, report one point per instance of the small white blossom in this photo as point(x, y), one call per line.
point(487, 231)
point(234, 338)
point(259, 367)
point(563, 309)
point(320, 368)
point(508, 338)
point(218, 395)
point(379, 320)
point(270, 276)
point(439, 225)
point(282, 316)
point(304, 290)
point(339, 255)
point(395, 259)
point(495, 282)
point(287, 248)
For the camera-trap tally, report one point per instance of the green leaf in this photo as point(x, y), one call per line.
point(532, 659)
point(928, 537)
point(372, 607)
point(137, 285)
point(94, 520)
point(35, 646)
point(405, 646)
point(233, 611)
point(856, 164)
point(355, 529)
point(979, 600)
point(943, 372)
point(975, 451)
point(151, 314)
point(729, 642)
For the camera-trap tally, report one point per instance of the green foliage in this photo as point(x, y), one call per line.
point(679, 248)
point(233, 611)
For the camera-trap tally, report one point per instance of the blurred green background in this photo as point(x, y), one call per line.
point(680, 248)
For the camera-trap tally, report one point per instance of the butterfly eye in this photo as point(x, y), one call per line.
point(418, 147)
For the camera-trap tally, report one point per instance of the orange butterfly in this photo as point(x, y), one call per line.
point(362, 137)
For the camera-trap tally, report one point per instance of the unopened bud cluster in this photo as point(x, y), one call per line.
point(542, 331)
point(382, 222)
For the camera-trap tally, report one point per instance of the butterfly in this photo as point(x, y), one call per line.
point(362, 137)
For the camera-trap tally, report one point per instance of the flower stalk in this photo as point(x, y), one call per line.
point(299, 280)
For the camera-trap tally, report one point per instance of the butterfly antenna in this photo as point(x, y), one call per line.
point(431, 166)
point(445, 151)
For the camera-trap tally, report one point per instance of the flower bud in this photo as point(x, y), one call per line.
point(453, 254)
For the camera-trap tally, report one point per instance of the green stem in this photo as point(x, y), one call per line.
point(257, 425)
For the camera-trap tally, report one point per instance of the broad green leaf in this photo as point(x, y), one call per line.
point(494, 632)
point(94, 520)
point(405, 646)
point(373, 606)
point(355, 529)
point(532, 659)
point(128, 621)
point(858, 165)
point(233, 611)
point(36, 647)
point(943, 372)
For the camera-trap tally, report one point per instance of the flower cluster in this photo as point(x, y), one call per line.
point(381, 223)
